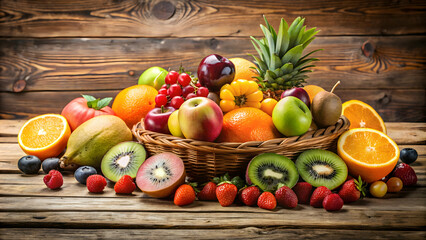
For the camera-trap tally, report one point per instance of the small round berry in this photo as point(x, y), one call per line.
point(50, 164)
point(53, 179)
point(82, 173)
point(408, 155)
point(378, 189)
point(394, 184)
point(198, 84)
point(174, 90)
point(187, 90)
point(184, 79)
point(164, 86)
point(176, 102)
point(160, 100)
point(162, 91)
point(29, 164)
point(191, 95)
point(202, 92)
point(171, 77)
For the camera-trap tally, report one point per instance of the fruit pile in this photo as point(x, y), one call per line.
point(230, 100)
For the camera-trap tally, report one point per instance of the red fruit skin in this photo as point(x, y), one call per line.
point(77, 112)
point(406, 174)
point(303, 192)
point(286, 197)
point(53, 179)
point(184, 195)
point(96, 183)
point(318, 196)
point(226, 194)
point(332, 202)
point(208, 193)
point(349, 193)
point(267, 201)
point(125, 185)
point(250, 195)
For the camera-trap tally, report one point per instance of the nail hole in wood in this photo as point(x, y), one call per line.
point(368, 49)
point(164, 10)
point(19, 85)
point(131, 73)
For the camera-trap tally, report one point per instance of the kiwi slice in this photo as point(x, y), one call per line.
point(267, 170)
point(123, 159)
point(322, 168)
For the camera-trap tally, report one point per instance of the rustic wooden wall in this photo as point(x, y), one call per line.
point(52, 51)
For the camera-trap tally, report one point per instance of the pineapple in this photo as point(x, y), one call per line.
point(281, 65)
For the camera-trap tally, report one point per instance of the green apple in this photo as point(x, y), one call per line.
point(291, 116)
point(174, 126)
point(153, 76)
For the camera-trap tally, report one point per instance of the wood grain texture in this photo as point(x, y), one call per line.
point(94, 64)
point(243, 233)
point(132, 18)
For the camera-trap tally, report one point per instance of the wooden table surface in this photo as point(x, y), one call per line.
point(29, 209)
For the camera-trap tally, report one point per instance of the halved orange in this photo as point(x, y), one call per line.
point(362, 115)
point(368, 153)
point(44, 136)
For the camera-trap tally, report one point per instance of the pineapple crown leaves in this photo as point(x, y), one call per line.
point(361, 186)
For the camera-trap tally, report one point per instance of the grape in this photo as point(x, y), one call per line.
point(164, 86)
point(191, 95)
point(184, 79)
point(160, 100)
point(378, 189)
point(176, 102)
point(394, 184)
point(202, 92)
point(162, 91)
point(187, 90)
point(171, 77)
point(174, 90)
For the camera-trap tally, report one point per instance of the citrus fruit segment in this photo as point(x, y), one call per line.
point(362, 115)
point(368, 153)
point(44, 136)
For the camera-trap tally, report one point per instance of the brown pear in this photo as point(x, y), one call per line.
point(326, 108)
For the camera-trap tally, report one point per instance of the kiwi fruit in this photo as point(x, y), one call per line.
point(267, 170)
point(322, 168)
point(326, 108)
point(123, 159)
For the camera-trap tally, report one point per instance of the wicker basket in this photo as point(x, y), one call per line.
point(204, 160)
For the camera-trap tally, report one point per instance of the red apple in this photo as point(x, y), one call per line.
point(156, 119)
point(201, 119)
point(215, 71)
point(300, 93)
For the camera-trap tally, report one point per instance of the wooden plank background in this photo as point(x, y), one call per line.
point(52, 51)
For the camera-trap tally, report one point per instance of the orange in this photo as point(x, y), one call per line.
point(368, 153)
point(243, 70)
point(313, 90)
point(362, 115)
point(44, 136)
point(133, 103)
point(247, 124)
point(267, 105)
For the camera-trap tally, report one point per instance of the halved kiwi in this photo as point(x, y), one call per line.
point(267, 170)
point(123, 159)
point(322, 168)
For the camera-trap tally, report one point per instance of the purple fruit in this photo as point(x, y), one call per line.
point(156, 119)
point(215, 71)
point(300, 93)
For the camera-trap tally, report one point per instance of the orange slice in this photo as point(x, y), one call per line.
point(368, 153)
point(362, 115)
point(44, 136)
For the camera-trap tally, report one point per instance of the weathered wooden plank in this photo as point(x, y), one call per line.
point(364, 219)
point(204, 18)
point(393, 105)
point(172, 234)
point(111, 64)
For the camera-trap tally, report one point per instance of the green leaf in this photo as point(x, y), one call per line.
point(258, 50)
point(275, 62)
point(294, 30)
point(263, 49)
point(88, 98)
point(287, 68)
point(96, 103)
point(260, 64)
point(270, 76)
point(278, 72)
point(103, 102)
point(300, 36)
point(271, 29)
point(293, 55)
point(302, 63)
point(307, 55)
point(282, 39)
point(308, 35)
point(270, 45)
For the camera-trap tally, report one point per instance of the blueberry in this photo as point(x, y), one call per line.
point(82, 173)
point(50, 164)
point(29, 164)
point(408, 155)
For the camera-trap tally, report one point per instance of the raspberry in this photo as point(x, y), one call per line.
point(332, 202)
point(286, 197)
point(53, 179)
point(125, 185)
point(96, 183)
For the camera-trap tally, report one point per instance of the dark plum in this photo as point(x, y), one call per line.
point(50, 164)
point(82, 173)
point(215, 71)
point(29, 164)
point(408, 155)
point(300, 93)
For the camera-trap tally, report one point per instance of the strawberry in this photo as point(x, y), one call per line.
point(125, 185)
point(352, 190)
point(406, 174)
point(226, 193)
point(332, 202)
point(96, 183)
point(303, 191)
point(208, 193)
point(249, 195)
point(267, 201)
point(286, 197)
point(318, 196)
point(53, 179)
point(184, 195)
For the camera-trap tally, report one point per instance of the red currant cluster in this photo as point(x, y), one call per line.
point(179, 87)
